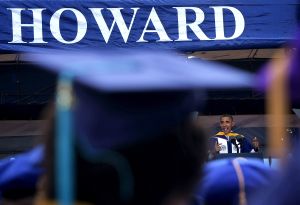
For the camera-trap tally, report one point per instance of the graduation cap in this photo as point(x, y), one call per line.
point(232, 181)
point(124, 97)
point(132, 88)
point(19, 174)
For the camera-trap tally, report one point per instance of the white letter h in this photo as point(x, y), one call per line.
point(17, 25)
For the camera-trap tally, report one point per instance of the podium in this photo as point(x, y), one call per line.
point(244, 155)
point(269, 161)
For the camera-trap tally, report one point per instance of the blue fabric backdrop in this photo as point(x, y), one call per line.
point(71, 24)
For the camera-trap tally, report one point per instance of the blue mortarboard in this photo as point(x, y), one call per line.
point(21, 172)
point(123, 97)
point(136, 92)
point(136, 70)
point(232, 181)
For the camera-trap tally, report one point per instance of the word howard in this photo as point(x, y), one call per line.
point(152, 24)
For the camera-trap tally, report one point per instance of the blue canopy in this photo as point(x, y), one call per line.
point(188, 25)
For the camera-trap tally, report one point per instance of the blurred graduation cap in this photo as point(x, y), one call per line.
point(232, 181)
point(19, 174)
point(124, 97)
point(125, 90)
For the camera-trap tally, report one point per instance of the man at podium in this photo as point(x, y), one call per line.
point(226, 141)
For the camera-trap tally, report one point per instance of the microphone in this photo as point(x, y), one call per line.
point(233, 141)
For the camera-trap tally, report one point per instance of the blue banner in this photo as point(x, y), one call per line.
point(189, 25)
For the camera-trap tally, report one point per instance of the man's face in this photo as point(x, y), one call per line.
point(226, 124)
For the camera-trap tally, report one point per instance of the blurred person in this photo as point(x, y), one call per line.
point(255, 145)
point(163, 167)
point(285, 73)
